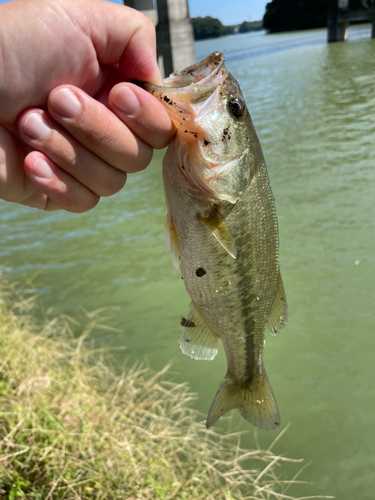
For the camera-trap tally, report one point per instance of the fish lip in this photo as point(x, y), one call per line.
point(215, 60)
point(201, 74)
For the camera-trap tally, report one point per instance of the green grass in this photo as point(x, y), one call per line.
point(73, 426)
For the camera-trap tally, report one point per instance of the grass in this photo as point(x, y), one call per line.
point(73, 426)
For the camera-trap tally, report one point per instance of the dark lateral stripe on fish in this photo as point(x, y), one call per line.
point(246, 303)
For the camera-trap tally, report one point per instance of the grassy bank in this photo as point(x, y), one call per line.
point(72, 427)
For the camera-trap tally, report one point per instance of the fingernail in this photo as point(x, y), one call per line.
point(35, 127)
point(42, 169)
point(66, 104)
point(126, 101)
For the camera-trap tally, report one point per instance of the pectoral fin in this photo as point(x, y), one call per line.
point(171, 243)
point(220, 230)
point(279, 313)
point(197, 341)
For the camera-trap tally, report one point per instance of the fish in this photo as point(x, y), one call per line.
point(222, 231)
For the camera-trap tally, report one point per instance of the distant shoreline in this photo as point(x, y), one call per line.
point(210, 27)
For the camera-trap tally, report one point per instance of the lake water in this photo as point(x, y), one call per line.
point(313, 106)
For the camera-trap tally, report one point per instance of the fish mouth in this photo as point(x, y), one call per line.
point(203, 72)
point(188, 87)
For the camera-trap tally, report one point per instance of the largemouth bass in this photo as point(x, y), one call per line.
point(222, 231)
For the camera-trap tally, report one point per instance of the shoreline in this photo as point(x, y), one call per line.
point(73, 428)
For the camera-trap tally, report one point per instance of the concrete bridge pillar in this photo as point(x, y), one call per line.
point(338, 21)
point(174, 32)
point(337, 31)
point(174, 36)
point(372, 21)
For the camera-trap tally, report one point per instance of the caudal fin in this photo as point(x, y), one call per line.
point(254, 400)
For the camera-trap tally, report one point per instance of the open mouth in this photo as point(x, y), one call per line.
point(200, 78)
point(205, 70)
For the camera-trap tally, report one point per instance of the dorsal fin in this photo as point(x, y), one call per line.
point(279, 313)
point(197, 341)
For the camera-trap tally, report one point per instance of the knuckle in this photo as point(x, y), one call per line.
point(147, 25)
point(99, 136)
point(143, 160)
point(73, 200)
point(90, 204)
point(114, 186)
point(10, 191)
point(162, 142)
point(84, 205)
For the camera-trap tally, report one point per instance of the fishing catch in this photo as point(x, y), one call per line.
point(222, 231)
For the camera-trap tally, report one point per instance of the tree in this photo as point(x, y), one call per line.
point(287, 15)
point(247, 26)
point(207, 27)
point(360, 4)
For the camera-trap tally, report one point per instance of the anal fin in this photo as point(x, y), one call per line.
point(197, 341)
point(171, 243)
point(254, 400)
point(279, 313)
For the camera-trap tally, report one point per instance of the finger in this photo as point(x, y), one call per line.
point(61, 190)
point(43, 134)
point(98, 129)
point(143, 114)
point(14, 184)
point(123, 35)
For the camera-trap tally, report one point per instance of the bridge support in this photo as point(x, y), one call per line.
point(174, 32)
point(337, 30)
point(174, 36)
point(338, 21)
point(339, 18)
point(372, 20)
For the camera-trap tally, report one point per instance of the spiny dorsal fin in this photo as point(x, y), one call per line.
point(254, 400)
point(171, 241)
point(220, 230)
point(197, 341)
point(279, 313)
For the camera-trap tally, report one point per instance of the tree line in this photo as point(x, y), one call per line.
point(290, 15)
point(280, 15)
point(210, 27)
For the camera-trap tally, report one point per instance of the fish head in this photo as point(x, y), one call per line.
point(213, 143)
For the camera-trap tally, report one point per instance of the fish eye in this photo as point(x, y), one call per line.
point(236, 107)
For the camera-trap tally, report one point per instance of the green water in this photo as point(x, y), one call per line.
point(314, 109)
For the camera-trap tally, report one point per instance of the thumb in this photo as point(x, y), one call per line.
point(124, 36)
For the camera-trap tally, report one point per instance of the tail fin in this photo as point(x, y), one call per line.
point(255, 400)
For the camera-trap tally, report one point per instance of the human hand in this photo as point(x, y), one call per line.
point(69, 131)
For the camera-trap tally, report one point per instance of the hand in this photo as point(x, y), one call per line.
point(69, 131)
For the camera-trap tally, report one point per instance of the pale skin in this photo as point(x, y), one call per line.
point(72, 126)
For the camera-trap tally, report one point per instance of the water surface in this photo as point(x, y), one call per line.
point(313, 106)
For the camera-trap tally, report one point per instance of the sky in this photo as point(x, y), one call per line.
point(228, 11)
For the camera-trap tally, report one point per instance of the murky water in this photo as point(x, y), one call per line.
point(314, 109)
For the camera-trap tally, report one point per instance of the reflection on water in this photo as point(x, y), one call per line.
point(314, 109)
